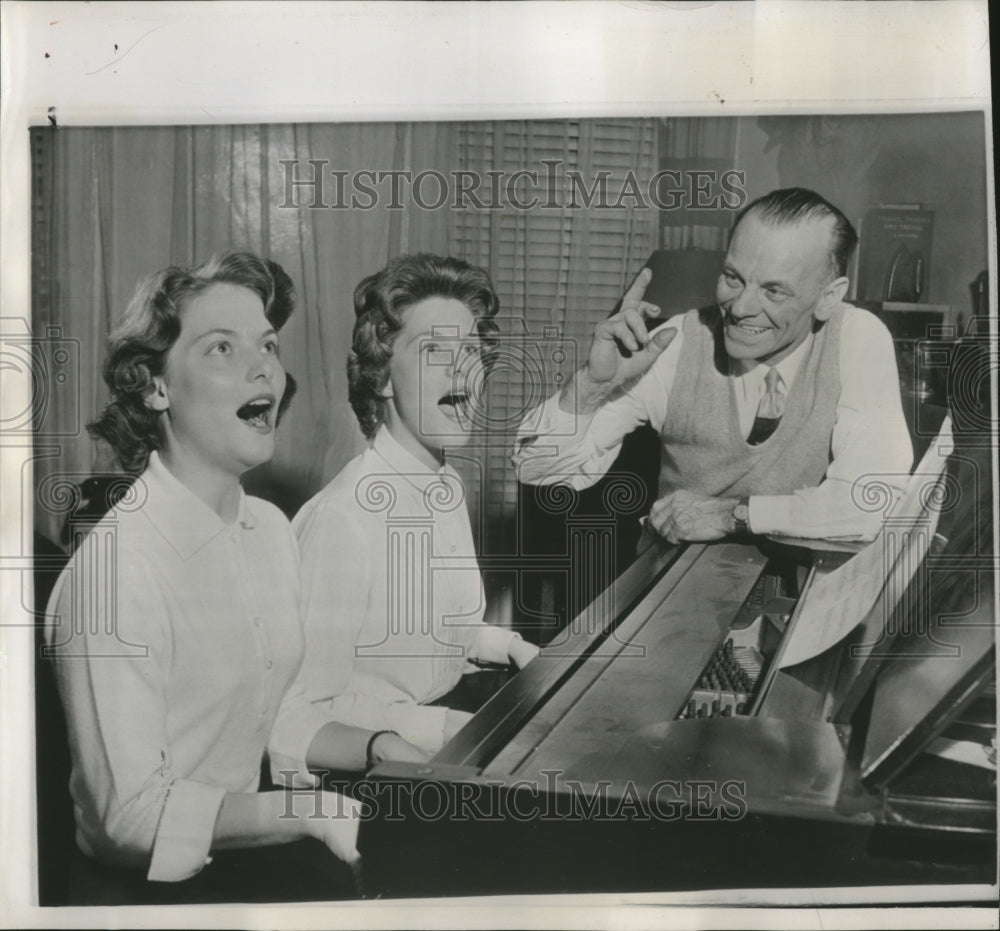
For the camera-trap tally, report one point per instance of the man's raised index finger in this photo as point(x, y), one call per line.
point(638, 287)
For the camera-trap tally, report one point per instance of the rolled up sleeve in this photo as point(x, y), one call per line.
point(422, 725)
point(297, 724)
point(112, 652)
point(184, 835)
point(492, 644)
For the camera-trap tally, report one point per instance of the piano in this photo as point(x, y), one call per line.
point(660, 743)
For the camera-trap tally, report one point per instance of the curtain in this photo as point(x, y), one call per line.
point(112, 205)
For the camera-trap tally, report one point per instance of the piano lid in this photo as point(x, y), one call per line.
point(942, 652)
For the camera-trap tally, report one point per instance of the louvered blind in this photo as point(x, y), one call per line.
point(559, 266)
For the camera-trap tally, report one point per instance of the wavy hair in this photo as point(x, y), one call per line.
point(379, 302)
point(138, 346)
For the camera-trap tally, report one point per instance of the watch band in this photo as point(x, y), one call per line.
point(370, 749)
point(741, 517)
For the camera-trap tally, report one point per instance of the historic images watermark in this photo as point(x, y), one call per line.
point(313, 184)
point(51, 362)
point(554, 798)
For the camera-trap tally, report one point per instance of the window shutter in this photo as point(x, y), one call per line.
point(558, 267)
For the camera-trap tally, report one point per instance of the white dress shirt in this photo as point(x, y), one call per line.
point(392, 596)
point(870, 437)
point(176, 638)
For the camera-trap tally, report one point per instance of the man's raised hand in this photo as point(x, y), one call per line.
point(621, 349)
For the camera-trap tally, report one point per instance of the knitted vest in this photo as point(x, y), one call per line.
point(703, 448)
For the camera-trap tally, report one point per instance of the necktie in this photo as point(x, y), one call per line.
point(771, 407)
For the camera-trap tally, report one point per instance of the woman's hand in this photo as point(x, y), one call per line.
point(389, 746)
point(454, 721)
point(333, 819)
point(521, 652)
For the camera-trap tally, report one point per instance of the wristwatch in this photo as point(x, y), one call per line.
point(741, 517)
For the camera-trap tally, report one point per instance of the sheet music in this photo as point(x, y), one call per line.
point(840, 600)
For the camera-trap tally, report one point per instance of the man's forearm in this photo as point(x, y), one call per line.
point(828, 510)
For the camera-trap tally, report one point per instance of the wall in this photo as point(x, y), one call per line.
point(858, 162)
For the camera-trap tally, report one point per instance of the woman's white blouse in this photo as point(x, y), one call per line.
point(177, 641)
point(393, 599)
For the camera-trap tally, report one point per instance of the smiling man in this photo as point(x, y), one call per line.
point(771, 405)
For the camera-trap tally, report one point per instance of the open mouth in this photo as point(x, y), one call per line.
point(455, 405)
point(257, 413)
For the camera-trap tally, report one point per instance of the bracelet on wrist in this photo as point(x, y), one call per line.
point(370, 761)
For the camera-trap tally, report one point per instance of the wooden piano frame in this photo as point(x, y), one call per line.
point(580, 776)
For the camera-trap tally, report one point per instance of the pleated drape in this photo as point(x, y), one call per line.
point(113, 205)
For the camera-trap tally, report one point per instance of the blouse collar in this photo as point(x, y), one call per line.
point(185, 521)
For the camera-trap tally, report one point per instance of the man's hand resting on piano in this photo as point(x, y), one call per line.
point(684, 516)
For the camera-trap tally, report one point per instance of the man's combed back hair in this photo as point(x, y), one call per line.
point(796, 204)
point(379, 303)
point(138, 346)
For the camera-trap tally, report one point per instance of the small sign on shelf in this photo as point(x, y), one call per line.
point(894, 257)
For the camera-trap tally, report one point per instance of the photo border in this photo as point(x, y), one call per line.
point(185, 63)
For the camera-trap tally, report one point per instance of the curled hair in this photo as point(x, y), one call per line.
point(379, 302)
point(794, 204)
point(138, 346)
